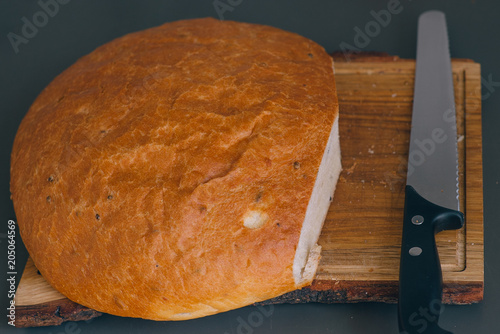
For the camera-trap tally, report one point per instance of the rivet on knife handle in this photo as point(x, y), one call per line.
point(420, 276)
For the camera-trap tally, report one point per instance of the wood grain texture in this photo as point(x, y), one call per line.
point(362, 233)
point(33, 288)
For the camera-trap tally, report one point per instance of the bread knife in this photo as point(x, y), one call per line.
point(431, 192)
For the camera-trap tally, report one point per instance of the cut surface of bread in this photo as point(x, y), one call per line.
point(180, 171)
point(306, 257)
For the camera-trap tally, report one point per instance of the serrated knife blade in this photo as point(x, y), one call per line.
point(431, 193)
point(433, 154)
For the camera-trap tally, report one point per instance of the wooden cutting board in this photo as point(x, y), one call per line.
point(362, 233)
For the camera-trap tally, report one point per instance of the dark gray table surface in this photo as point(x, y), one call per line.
point(80, 26)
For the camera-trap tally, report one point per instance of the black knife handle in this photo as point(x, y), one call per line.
point(420, 278)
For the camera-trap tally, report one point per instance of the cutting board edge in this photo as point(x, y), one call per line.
point(52, 313)
point(333, 292)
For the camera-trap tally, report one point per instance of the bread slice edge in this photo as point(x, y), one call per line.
point(307, 255)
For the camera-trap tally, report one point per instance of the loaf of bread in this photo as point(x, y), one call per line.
point(180, 171)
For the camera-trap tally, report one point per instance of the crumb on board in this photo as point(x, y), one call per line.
point(351, 169)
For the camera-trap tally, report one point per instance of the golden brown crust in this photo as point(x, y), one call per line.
point(133, 170)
